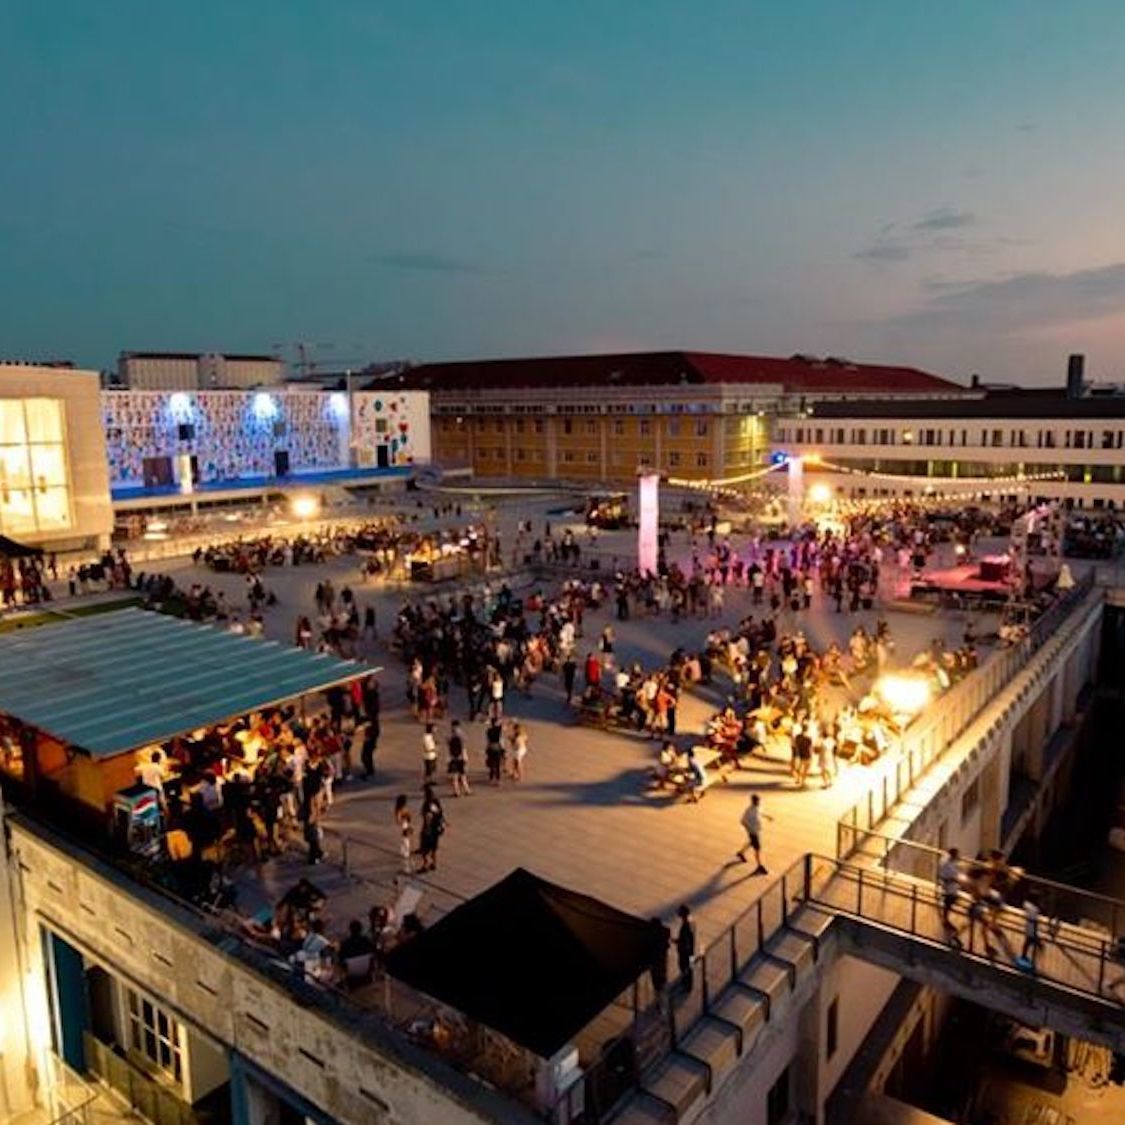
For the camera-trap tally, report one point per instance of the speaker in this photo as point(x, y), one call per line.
point(281, 463)
point(279, 429)
point(185, 431)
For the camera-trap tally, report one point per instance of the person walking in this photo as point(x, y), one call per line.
point(685, 947)
point(433, 828)
point(405, 833)
point(949, 880)
point(752, 823)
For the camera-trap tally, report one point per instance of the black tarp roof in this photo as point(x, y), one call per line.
point(530, 959)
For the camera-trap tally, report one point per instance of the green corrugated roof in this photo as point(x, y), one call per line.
point(113, 682)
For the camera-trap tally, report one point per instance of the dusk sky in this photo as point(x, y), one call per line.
point(930, 184)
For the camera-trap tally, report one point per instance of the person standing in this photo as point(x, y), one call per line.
point(1032, 942)
point(494, 751)
point(685, 947)
point(519, 750)
point(569, 670)
point(433, 828)
point(752, 823)
point(405, 833)
point(429, 754)
point(457, 776)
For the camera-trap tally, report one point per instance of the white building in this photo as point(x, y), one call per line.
point(1017, 444)
point(54, 485)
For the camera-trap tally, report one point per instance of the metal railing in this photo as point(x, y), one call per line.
point(69, 1097)
point(1056, 900)
point(1073, 957)
point(932, 732)
point(154, 1101)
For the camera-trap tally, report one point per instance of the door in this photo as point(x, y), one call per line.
point(382, 456)
point(67, 982)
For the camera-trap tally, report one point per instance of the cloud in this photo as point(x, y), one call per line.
point(1023, 301)
point(945, 218)
point(424, 263)
point(883, 252)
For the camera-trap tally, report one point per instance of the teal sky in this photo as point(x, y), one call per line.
point(937, 184)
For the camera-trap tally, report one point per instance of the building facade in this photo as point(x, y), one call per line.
point(188, 371)
point(1010, 445)
point(54, 489)
point(694, 415)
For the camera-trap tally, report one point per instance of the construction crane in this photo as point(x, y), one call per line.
point(307, 363)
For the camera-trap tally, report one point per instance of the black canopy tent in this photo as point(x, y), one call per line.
point(530, 959)
point(10, 549)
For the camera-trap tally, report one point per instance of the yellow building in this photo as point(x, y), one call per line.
point(694, 415)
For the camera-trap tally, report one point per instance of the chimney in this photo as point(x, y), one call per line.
point(1075, 372)
point(974, 382)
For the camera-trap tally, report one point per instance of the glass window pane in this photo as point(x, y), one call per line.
point(44, 419)
point(14, 469)
point(48, 465)
point(53, 508)
point(11, 422)
point(17, 512)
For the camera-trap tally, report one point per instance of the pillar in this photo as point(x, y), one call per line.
point(796, 490)
point(648, 523)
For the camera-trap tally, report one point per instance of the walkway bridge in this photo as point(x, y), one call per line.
point(767, 966)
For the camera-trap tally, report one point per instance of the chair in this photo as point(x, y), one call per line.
point(359, 969)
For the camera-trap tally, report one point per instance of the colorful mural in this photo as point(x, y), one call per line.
point(237, 434)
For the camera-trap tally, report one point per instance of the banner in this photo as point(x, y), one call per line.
point(648, 523)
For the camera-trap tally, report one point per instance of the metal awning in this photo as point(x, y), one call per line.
point(114, 682)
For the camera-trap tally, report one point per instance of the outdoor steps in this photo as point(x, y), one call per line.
point(714, 1043)
point(644, 1109)
point(681, 1081)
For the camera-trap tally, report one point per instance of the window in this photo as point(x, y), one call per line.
point(519, 454)
point(538, 425)
point(498, 425)
point(701, 460)
point(155, 1036)
point(591, 427)
point(674, 457)
point(568, 456)
point(970, 799)
point(519, 425)
point(673, 427)
point(34, 479)
point(702, 427)
point(619, 428)
point(592, 457)
point(777, 1100)
point(646, 427)
point(568, 426)
point(831, 1030)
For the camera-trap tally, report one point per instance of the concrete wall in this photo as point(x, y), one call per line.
point(336, 1065)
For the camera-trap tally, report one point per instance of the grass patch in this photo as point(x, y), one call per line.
point(53, 616)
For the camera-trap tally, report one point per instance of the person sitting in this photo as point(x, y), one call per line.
point(357, 954)
point(664, 772)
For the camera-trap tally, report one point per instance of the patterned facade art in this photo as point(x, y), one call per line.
point(398, 420)
point(233, 434)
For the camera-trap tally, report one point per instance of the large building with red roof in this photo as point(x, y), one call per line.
point(696, 415)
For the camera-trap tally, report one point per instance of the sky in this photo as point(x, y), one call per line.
point(928, 184)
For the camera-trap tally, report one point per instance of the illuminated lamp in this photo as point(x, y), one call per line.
point(264, 406)
point(338, 404)
point(904, 694)
point(820, 493)
point(304, 507)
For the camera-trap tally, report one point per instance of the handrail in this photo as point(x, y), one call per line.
point(1076, 943)
point(916, 845)
point(923, 742)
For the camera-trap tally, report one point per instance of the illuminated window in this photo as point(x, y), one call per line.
point(34, 481)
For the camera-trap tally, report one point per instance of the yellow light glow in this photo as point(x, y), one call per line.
point(820, 493)
point(904, 694)
point(304, 507)
point(811, 458)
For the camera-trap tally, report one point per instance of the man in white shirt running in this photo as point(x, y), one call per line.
point(752, 823)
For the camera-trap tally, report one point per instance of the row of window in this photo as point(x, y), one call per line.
point(672, 427)
point(673, 458)
point(1077, 474)
point(990, 437)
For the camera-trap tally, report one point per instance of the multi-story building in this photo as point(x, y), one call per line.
point(596, 418)
point(190, 371)
point(54, 488)
point(1008, 443)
